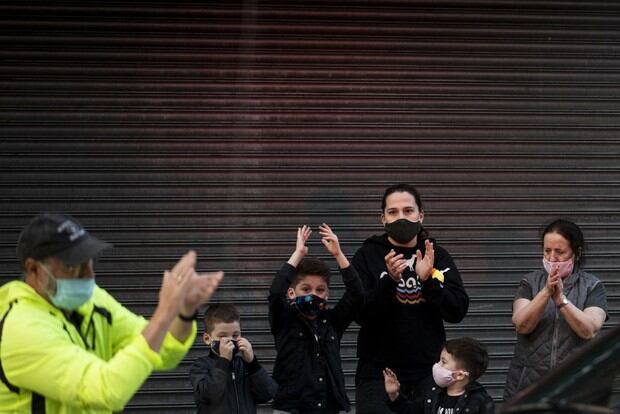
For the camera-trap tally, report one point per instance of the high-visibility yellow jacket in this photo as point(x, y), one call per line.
point(91, 365)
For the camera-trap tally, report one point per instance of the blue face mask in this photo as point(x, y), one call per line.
point(70, 294)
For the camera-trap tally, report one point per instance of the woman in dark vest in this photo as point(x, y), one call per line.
point(557, 308)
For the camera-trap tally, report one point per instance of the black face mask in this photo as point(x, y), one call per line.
point(403, 230)
point(215, 346)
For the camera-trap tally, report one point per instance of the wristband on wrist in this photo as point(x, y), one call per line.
point(437, 274)
point(190, 318)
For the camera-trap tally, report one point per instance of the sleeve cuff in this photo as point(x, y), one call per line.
point(173, 343)
point(254, 366)
point(173, 350)
point(437, 274)
point(398, 404)
point(387, 284)
point(432, 288)
point(348, 273)
point(289, 271)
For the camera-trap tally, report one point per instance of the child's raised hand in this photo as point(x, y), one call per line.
point(392, 386)
point(303, 233)
point(245, 347)
point(329, 240)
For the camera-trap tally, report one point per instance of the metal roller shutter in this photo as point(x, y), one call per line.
point(223, 126)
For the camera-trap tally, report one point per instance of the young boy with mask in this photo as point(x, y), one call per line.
point(307, 333)
point(229, 378)
point(452, 388)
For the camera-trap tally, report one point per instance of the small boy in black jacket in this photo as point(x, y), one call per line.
point(307, 333)
point(452, 389)
point(229, 378)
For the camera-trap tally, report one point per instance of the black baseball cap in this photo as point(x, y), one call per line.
point(60, 236)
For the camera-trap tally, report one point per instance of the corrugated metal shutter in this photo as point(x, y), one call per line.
point(223, 126)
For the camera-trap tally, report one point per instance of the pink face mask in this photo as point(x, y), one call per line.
point(565, 268)
point(442, 376)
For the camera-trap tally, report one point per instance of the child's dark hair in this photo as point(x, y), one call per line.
point(221, 312)
point(311, 266)
point(470, 354)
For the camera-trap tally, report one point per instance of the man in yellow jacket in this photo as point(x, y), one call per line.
point(66, 345)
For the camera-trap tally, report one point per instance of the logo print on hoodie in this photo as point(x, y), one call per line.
point(409, 290)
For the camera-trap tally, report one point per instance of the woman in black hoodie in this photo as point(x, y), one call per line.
point(411, 286)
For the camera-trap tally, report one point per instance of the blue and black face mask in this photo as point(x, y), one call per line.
point(215, 346)
point(310, 305)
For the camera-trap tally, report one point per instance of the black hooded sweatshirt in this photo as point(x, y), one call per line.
point(402, 322)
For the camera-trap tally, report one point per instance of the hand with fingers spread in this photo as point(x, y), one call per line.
point(303, 233)
point(392, 385)
point(184, 289)
point(329, 240)
point(176, 284)
point(182, 292)
point(424, 265)
point(301, 250)
point(202, 287)
point(172, 295)
point(331, 243)
point(396, 265)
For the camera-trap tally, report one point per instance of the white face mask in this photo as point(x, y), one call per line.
point(444, 377)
